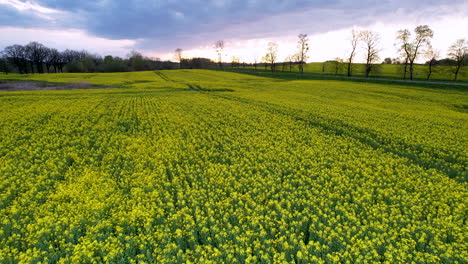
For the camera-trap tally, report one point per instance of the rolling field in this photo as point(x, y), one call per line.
point(391, 71)
point(198, 166)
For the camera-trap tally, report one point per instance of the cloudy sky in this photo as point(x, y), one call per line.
point(157, 27)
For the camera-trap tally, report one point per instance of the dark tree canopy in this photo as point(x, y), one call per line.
point(34, 57)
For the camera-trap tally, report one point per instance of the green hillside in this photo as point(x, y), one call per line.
point(393, 71)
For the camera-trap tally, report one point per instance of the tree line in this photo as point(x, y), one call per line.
point(411, 46)
point(37, 58)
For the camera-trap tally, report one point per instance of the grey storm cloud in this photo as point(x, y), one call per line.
point(165, 18)
point(9, 16)
point(169, 23)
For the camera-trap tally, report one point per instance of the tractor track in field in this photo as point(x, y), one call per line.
point(163, 76)
point(336, 127)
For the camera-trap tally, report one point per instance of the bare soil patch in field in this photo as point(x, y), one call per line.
point(35, 86)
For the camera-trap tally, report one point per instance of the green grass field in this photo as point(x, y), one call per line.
point(392, 71)
point(198, 166)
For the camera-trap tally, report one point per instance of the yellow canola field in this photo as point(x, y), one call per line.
point(200, 166)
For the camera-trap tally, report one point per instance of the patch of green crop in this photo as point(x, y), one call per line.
point(439, 73)
point(246, 169)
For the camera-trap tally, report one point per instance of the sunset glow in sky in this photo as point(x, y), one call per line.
point(157, 28)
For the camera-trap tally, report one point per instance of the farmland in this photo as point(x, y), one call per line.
point(391, 71)
point(198, 166)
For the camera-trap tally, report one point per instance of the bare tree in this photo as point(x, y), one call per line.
point(52, 59)
point(73, 55)
point(431, 55)
point(296, 58)
point(178, 54)
point(458, 52)
point(36, 54)
point(272, 54)
point(16, 54)
point(219, 48)
point(47, 62)
point(255, 57)
point(4, 66)
point(303, 46)
point(413, 48)
point(403, 40)
point(354, 43)
point(289, 60)
point(371, 41)
point(265, 62)
point(68, 56)
point(62, 61)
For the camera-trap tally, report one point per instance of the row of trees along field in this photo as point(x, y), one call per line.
point(37, 58)
point(411, 47)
